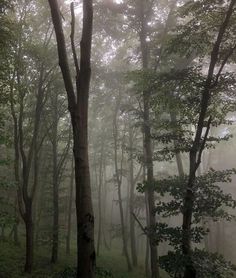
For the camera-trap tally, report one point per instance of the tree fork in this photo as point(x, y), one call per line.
point(78, 108)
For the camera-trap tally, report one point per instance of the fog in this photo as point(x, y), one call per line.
point(117, 138)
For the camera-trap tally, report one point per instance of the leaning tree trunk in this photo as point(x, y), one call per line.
point(78, 108)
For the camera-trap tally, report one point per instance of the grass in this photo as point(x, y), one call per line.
point(12, 263)
point(116, 263)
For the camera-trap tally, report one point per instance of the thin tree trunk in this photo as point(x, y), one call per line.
point(23, 192)
point(124, 235)
point(150, 192)
point(29, 237)
point(15, 234)
point(126, 213)
point(68, 238)
point(147, 251)
point(148, 145)
point(111, 221)
point(131, 202)
point(119, 174)
point(100, 197)
point(105, 206)
point(16, 224)
point(16, 159)
point(55, 231)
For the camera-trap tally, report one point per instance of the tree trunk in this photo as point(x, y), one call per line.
point(119, 174)
point(85, 218)
point(78, 107)
point(148, 144)
point(15, 234)
point(105, 206)
point(200, 139)
point(29, 237)
point(111, 220)
point(100, 197)
point(68, 237)
point(55, 231)
point(124, 235)
point(150, 179)
point(16, 224)
point(131, 202)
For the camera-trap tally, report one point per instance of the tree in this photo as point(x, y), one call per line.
point(200, 136)
point(119, 177)
point(203, 111)
point(58, 165)
point(78, 108)
point(27, 144)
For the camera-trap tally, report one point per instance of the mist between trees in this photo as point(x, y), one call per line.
point(117, 138)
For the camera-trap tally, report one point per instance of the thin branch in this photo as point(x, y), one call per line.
point(140, 224)
point(72, 39)
point(230, 53)
point(206, 94)
point(138, 174)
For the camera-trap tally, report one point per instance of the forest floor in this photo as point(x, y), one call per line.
point(12, 263)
